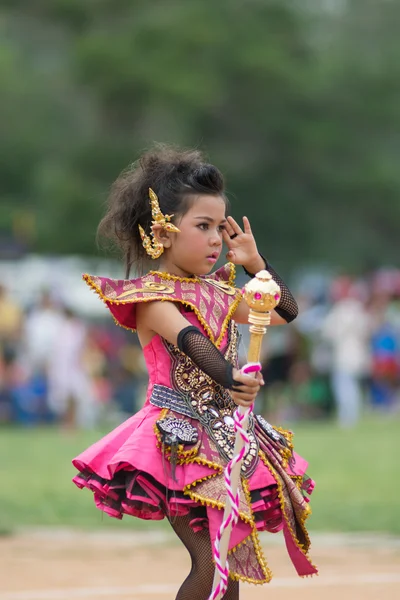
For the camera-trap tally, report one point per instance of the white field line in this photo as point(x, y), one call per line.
point(168, 589)
point(157, 536)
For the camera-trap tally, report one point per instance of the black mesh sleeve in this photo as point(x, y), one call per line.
point(206, 356)
point(287, 307)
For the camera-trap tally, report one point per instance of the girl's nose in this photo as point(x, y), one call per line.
point(216, 239)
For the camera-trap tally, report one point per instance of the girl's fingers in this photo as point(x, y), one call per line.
point(246, 225)
point(243, 390)
point(226, 236)
point(244, 397)
point(247, 380)
point(234, 226)
point(228, 228)
point(240, 401)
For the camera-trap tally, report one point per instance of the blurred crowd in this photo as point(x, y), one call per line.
point(339, 359)
point(57, 367)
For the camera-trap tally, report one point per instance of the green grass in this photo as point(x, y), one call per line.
point(356, 473)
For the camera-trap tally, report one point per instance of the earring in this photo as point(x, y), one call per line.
point(150, 244)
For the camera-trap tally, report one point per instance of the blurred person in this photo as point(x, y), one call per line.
point(131, 378)
point(278, 359)
point(70, 389)
point(6, 393)
point(22, 393)
point(314, 358)
point(309, 395)
point(29, 398)
point(385, 350)
point(11, 318)
point(347, 327)
point(100, 376)
point(168, 459)
point(316, 349)
point(41, 330)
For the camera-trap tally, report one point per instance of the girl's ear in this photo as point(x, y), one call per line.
point(161, 235)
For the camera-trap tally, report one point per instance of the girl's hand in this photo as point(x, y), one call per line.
point(242, 247)
point(246, 393)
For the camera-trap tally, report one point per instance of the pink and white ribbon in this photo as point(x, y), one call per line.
point(232, 495)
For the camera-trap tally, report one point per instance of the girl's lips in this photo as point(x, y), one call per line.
point(212, 259)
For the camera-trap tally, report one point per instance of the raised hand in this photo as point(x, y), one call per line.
point(242, 247)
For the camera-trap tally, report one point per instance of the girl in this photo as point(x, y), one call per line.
point(168, 459)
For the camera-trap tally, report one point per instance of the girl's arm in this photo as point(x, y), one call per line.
point(164, 319)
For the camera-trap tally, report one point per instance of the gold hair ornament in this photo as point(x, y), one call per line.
point(153, 247)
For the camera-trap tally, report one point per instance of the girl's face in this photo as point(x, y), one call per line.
point(197, 247)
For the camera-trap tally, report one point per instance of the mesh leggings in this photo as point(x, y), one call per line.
point(198, 584)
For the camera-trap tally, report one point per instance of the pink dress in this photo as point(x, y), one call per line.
point(168, 459)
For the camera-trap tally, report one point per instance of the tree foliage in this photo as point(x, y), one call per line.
point(298, 106)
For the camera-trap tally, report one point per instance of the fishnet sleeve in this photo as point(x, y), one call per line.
point(206, 356)
point(287, 307)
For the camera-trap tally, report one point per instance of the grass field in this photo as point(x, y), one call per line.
point(355, 472)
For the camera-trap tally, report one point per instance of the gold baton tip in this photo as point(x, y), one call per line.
point(262, 293)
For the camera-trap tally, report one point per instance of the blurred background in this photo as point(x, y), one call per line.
point(298, 103)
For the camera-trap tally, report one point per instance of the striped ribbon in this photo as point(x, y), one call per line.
point(233, 496)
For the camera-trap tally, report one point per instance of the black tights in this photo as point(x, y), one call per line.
point(198, 584)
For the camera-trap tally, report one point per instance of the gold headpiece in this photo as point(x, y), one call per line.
point(150, 244)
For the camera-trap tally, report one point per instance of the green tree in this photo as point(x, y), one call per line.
point(298, 104)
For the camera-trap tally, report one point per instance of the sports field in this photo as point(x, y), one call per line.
point(57, 545)
point(149, 566)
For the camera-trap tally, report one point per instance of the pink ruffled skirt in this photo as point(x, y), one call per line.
point(130, 475)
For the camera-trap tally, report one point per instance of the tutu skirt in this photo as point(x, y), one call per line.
point(130, 473)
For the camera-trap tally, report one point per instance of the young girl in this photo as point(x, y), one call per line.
point(168, 459)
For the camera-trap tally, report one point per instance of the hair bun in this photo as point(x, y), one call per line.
point(208, 177)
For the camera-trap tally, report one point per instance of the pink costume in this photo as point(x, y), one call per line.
point(169, 457)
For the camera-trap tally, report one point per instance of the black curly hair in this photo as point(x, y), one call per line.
point(176, 176)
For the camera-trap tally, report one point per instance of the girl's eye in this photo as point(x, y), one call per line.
point(206, 227)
